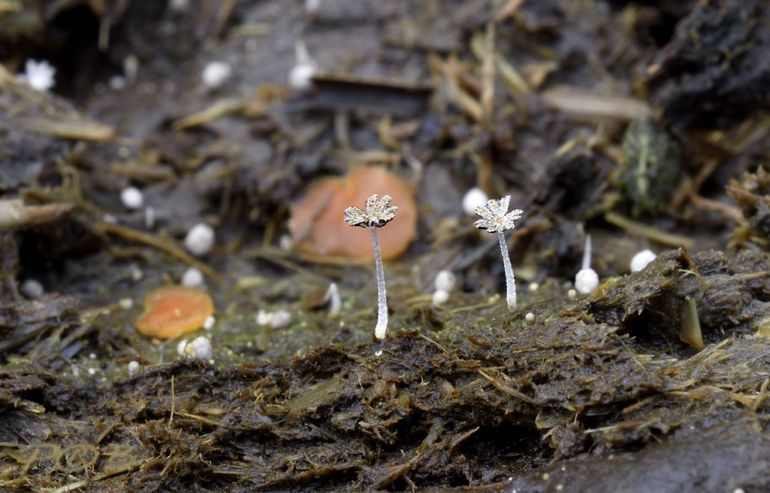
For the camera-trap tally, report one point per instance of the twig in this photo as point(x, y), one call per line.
point(648, 232)
point(162, 245)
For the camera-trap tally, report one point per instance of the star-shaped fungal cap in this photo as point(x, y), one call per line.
point(378, 213)
point(495, 216)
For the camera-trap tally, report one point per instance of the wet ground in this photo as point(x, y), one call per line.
point(641, 124)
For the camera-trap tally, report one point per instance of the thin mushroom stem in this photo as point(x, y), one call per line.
point(382, 296)
point(510, 281)
point(587, 254)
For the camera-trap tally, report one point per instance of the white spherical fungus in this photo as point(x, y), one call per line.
point(32, 289)
point(192, 278)
point(133, 368)
point(132, 198)
point(200, 239)
point(281, 318)
point(445, 281)
point(39, 75)
point(586, 280)
point(215, 74)
point(208, 324)
point(199, 348)
point(440, 297)
point(641, 259)
point(475, 197)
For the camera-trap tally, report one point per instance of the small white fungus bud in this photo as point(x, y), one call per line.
point(264, 318)
point(208, 324)
point(192, 278)
point(641, 259)
point(132, 198)
point(440, 297)
point(133, 368)
point(215, 74)
point(126, 303)
point(529, 316)
point(180, 347)
point(281, 318)
point(571, 294)
point(32, 289)
point(199, 348)
point(586, 280)
point(533, 286)
point(301, 75)
point(39, 75)
point(445, 281)
point(200, 239)
point(332, 297)
point(475, 197)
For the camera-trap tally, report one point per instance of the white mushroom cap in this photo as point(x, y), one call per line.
point(192, 278)
point(132, 198)
point(200, 239)
point(641, 259)
point(586, 280)
point(32, 289)
point(215, 74)
point(445, 281)
point(440, 297)
point(199, 348)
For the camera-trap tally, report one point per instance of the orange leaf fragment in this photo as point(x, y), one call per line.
point(172, 311)
point(317, 225)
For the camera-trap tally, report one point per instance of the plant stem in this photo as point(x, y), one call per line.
point(382, 296)
point(510, 281)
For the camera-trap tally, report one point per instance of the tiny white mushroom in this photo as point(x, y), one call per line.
point(200, 239)
point(180, 347)
point(495, 218)
point(474, 198)
point(586, 280)
point(32, 289)
point(215, 74)
point(571, 294)
point(199, 348)
point(281, 318)
point(376, 214)
point(132, 198)
point(264, 318)
point(126, 303)
point(529, 316)
point(192, 278)
point(133, 368)
point(332, 297)
point(301, 75)
point(208, 324)
point(440, 296)
point(641, 259)
point(445, 281)
point(39, 75)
